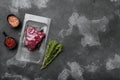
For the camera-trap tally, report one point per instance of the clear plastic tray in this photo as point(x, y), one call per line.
point(36, 56)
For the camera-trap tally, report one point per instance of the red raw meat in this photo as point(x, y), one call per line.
point(33, 37)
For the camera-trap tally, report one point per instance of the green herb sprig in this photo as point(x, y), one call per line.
point(52, 50)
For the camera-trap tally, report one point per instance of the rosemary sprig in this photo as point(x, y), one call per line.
point(52, 50)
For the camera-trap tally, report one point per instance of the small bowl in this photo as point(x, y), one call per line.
point(11, 43)
point(13, 20)
point(13, 46)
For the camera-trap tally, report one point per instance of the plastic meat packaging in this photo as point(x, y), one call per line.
point(36, 56)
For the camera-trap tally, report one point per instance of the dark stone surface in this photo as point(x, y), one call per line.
point(98, 62)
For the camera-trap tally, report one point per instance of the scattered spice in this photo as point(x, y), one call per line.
point(13, 20)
